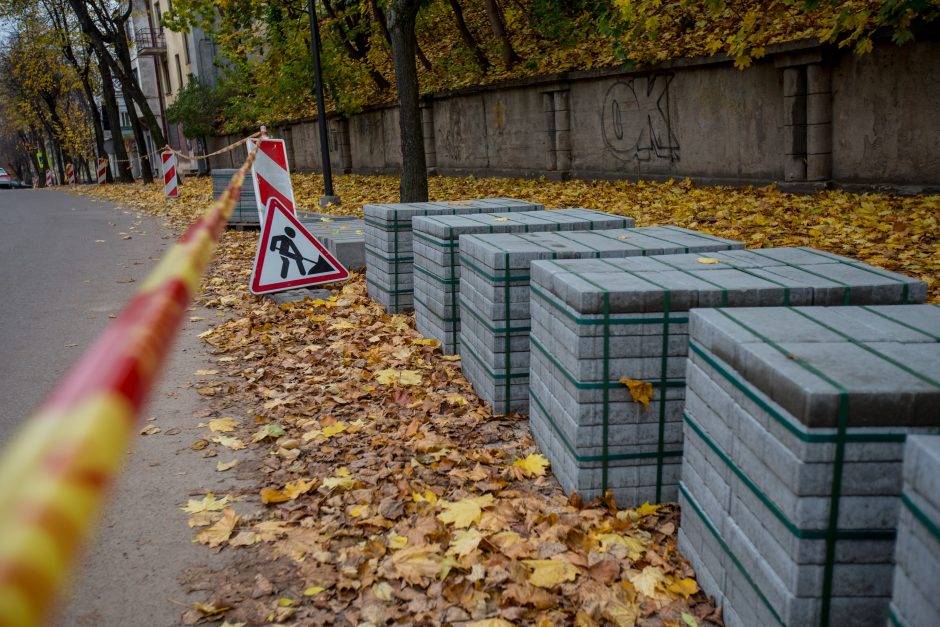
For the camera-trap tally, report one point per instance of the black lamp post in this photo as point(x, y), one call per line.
point(328, 196)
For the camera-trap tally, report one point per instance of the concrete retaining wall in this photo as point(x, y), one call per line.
point(804, 116)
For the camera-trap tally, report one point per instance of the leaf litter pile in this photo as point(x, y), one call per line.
point(385, 490)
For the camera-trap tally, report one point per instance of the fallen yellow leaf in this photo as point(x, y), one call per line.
point(205, 373)
point(550, 573)
point(220, 531)
point(208, 504)
point(465, 542)
point(313, 591)
point(333, 429)
point(709, 260)
point(390, 376)
point(229, 442)
point(649, 580)
point(465, 512)
point(151, 430)
point(640, 391)
point(223, 466)
point(219, 425)
point(533, 465)
point(685, 587)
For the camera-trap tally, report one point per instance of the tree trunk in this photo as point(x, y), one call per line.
point(121, 66)
point(495, 15)
point(382, 19)
point(96, 122)
point(125, 174)
point(132, 89)
point(414, 172)
point(467, 36)
point(146, 168)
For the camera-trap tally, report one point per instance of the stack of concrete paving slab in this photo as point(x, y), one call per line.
point(494, 295)
point(245, 212)
point(915, 600)
point(598, 323)
point(437, 257)
point(344, 236)
point(389, 258)
point(791, 479)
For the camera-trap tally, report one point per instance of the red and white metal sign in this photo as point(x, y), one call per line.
point(102, 171)
point(69, 174)
point(288, 256)
point(48, 178)
point(270, 174)
point(171, 186)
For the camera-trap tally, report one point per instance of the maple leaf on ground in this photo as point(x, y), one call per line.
point(550, 573)
point(391, 376)
point(417, 564)
point(683, 587)
point(223, 466)
point(228, 442)
point(490, 622)
point(640, 391)
point(465, 512)
point(220, 531)
point(465, 542)
point(340, 481)
point(649, 581)
point(222, 424)
point(291, 490)
point(208, 504)
point(268, 432)
point(533, 465)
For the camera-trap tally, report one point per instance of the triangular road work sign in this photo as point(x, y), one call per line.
point(288, 256)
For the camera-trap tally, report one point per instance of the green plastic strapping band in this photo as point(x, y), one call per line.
point(550, 300)
point(436, 277)
point(795, 531)
point(897, 622)
point(596, 385)
point(869, 349)
point(905, 286)
point(455, 312)
point(395, 267)
point(921, 517)
point(903, 324)
point(387, 291)
point(506, 342)
point(783, 420)
point(734, 558)
point(593, 458)
point(837, 469)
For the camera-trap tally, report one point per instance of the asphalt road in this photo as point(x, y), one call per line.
point(66, 264)
point(64, 268)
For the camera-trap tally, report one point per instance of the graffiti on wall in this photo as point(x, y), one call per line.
point(635, 119)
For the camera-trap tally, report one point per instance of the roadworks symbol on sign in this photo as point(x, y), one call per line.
point(288, 256)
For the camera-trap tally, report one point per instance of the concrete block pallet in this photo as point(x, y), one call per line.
point(437, 258)
point(388, 243)
point(342, 236)
point(494, 294)
point(795, 423)
point(246, 209)
point(595, 322)
point(914, 600)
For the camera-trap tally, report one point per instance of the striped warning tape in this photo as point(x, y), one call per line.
point(53, 474)
point(185, 157)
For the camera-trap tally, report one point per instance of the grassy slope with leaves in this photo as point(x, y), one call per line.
point(385, 489)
